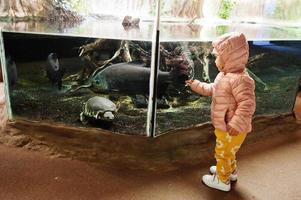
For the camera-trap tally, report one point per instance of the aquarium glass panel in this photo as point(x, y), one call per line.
point(178, 107)
point(276, 68)
point(79, 81)
point(274, 65)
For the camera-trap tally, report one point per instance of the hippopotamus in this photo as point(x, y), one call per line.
point(54, 71)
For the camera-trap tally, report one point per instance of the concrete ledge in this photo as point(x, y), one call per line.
point(178, 148)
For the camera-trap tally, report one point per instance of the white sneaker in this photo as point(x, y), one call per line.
point(233, 177)
point(214, 182)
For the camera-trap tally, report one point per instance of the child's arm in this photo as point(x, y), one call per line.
point(244, 95)
point(202, 88)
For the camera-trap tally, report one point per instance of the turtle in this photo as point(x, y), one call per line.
point(98, 108)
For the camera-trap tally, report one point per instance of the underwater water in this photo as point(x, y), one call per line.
point(48, 81)
point(52, 77)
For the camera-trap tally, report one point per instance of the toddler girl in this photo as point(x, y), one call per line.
point(232, 107)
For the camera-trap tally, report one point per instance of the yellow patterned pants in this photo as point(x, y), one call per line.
point(225, 153)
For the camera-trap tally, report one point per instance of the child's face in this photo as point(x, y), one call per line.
point(219, 63)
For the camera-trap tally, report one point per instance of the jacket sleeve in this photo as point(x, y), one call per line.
point(202, 88)
point(243, 91)
point(205, 89)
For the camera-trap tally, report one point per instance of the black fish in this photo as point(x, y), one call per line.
point(132, 79)
point(54, 71)
point(11, 71)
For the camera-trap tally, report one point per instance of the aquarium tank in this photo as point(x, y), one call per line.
point(93, 66)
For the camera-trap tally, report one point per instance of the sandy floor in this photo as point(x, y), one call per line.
point(269, 169)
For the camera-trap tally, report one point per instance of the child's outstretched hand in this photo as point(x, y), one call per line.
point(232, 131)
point(188, 83)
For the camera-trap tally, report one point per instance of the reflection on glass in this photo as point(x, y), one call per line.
point(170, 31)
point(186, 20)
point(268, 10)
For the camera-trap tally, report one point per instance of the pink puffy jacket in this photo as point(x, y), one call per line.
point(233, 96)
